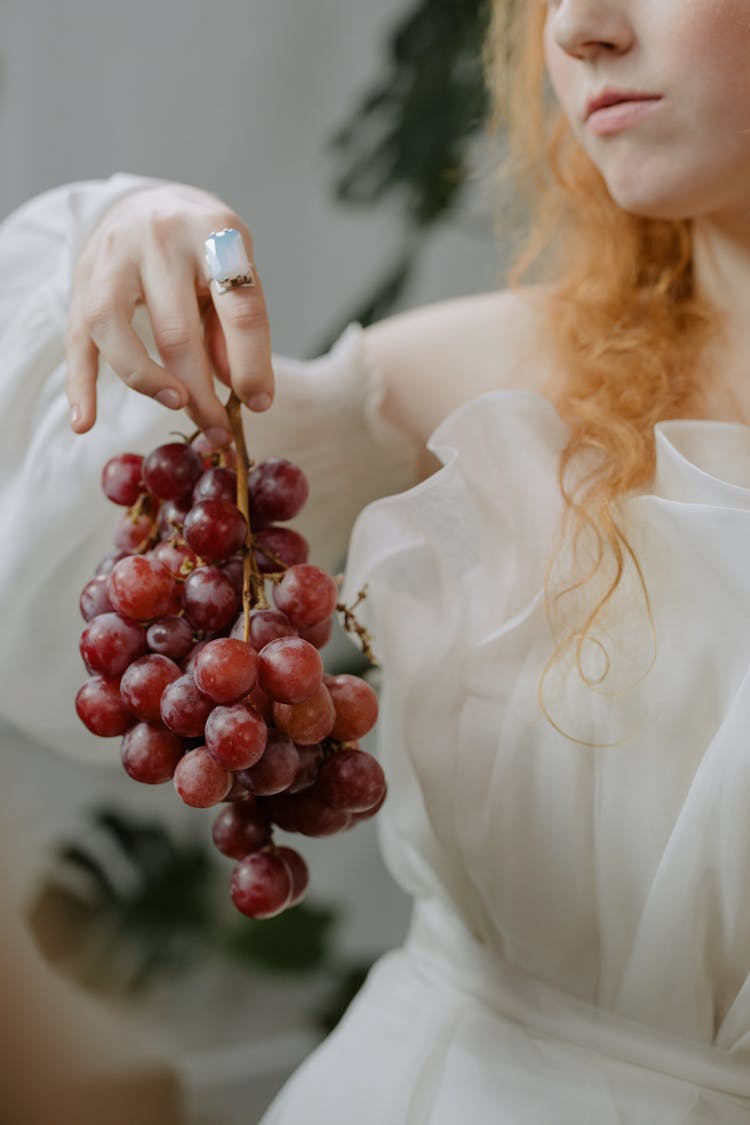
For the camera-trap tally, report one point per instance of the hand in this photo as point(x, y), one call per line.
point(149, 250)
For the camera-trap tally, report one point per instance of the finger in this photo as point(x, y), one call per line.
point(108, 317)
point(82, 370)
point(171, 299)
point(216, 345)
point(243, 318)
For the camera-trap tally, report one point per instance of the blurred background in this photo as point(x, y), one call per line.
point(352, 138)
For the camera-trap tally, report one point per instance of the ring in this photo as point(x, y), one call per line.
point(227, 263)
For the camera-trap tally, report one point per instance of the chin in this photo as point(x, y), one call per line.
point(667, 204)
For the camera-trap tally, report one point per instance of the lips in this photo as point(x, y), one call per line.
point(615, 97)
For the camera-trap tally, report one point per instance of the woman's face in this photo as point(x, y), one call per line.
point(686, 152)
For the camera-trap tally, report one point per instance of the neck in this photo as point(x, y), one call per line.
point(721, 258)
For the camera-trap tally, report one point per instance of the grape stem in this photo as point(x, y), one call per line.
point(351, 625)
point(253, 593)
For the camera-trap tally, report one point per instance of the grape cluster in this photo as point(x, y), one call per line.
point(208, 682)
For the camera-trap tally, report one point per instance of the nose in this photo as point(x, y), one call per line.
point(584, 28)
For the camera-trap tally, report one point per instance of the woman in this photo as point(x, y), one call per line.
point(561, 603)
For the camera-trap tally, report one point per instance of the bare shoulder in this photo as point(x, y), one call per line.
point(435, 358)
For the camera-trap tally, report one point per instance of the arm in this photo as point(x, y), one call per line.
point(65, 1058)
point(58, 524)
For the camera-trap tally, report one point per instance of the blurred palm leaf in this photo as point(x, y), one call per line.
point(130, 902)
point(410, 135)
point(297, 941)
point(134, 903)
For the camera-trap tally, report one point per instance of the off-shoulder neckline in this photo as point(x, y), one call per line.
point(549, 407)
point(720, 466)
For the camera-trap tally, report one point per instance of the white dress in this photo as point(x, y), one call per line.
point(580, 945)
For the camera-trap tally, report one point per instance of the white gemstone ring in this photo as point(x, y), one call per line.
point(227, 263)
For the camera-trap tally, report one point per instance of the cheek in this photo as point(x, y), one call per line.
point(556, 68)
point(712, 42)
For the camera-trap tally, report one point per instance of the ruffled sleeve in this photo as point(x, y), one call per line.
point(56, 522)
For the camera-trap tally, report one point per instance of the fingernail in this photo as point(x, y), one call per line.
point(217, 436)
point(75, 414)
point(169, 397)
point(260, 401)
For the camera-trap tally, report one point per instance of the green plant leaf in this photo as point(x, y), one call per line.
point(410, 136)
point(101, 886)
point(297, 941)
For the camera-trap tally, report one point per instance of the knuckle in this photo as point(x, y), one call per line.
point(135, 378)
point(224, 217)
point(100, 312)
point(173, 337)
point(163, 229)
point(75, 338)
point(247, 316)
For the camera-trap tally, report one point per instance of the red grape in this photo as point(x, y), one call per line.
point(216, 484)
point(297, 870)
point(318, 635)
point(176, 557)
point(234, 569)
point(314, 817)
point(357, 816)
point(199, 779)
point(171, 470)
point(144, 681)
point(262, 703)
point(238, 792)
point(215, 529)
point(275, 770)
point(94, 598)
point(280, 809)
point(284, 543)
point(109, 643)
point(236, 736)
point(134, 533)
point(356, 706)
point(266, 625)
point(170, 636)
point(243, 721)
point(189, 665)
point(172, 516)
point(184, 707)
point(310, 758)
point(351, 780)
point(261, 885)
point(140, 588)
point(209, 598)
point(100, 707)
point(241, 829)
point(106, 564)
point(289, 669)
point(278, 489)
point(122, 479)
point(306, 594)
point(208, 452)
point(150, 754)
point(309, 721)
point(226, 669)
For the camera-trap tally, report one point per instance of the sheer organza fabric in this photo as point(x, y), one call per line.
point(580, 946)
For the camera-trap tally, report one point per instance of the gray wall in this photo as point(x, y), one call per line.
point(237, 96)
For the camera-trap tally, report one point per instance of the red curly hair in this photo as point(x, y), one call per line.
point(626, 322)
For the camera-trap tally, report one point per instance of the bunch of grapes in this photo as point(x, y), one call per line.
point(208, 682)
